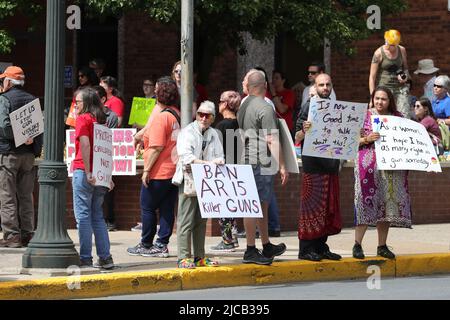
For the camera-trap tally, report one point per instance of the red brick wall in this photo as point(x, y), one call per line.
point(429, 196)
point(425, 26)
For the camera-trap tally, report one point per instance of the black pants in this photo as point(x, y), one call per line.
point(318, 245)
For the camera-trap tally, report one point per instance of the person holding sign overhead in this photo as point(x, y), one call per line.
point(17, 172)
point(197, 143)
point(87, 197)
point(381, 197)
point(320, 214)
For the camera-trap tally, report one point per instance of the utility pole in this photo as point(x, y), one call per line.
point(51, 246)
point(187, 61)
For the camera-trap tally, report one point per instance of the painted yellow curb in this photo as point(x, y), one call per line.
point(91, 286)
point(412, 265)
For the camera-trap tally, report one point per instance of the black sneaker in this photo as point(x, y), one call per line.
point(331, 256)
point(311, 256)
point(255, 256)
point(274, 233)
point(86, 263)
point(358, 252)
point(272, 250)
point(384, 252)
point(107, 263)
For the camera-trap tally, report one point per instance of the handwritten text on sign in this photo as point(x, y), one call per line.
point(102, 166)
point(335, 129)
point(27, 122)
point(124, 155)
point(227, 191)
point(404, 145)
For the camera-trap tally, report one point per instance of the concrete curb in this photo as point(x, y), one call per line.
point(91, 286)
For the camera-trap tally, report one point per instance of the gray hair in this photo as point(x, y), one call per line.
point(443, 81)
point(15, 82)
point(207, 107)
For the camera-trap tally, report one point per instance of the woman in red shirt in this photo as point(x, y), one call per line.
point(113, 98)
point(87, 197)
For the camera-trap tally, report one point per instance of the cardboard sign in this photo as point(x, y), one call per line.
point(124, 154)
point(335, 129)
point(27, 122)
point(404, 145)
point(287, 147)
point(102, 166)
point(227, 191)
point(141, 108)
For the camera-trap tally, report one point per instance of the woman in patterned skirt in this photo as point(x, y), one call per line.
point(381, 196)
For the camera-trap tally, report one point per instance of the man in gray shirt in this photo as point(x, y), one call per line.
point(258, 121)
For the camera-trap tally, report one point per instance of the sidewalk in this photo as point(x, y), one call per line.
point(429, 246)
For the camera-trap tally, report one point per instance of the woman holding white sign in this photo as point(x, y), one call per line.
point(87, 197)
point(196, 144)
point(381, 197)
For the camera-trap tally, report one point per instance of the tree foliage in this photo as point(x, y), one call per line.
point(10, 8)
point(220, 21)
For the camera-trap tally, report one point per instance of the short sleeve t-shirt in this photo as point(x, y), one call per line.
point(162, 132)
point(257, 118)
point(223, 126)
point(431, 125)
point(441, 108)
point(83, 127)
point(116, 105)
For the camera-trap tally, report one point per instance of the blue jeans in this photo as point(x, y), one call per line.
point(162, 195)
point(87, 205)
point(274, 214)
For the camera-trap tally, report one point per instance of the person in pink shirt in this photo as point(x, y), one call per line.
point(113, 98)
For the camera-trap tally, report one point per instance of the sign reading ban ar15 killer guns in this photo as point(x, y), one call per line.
point(404, 145)
point(335, 129)
point(227, 191)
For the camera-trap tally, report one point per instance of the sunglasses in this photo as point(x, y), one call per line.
point(438, 86)
point(204, 115)
point(417, 106)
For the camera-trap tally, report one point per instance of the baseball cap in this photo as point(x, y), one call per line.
point(13, 72)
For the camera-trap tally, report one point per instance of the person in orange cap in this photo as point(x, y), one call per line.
point(389, 68)
point(17, 171)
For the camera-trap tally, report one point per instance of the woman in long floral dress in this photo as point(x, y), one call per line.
point(381, 196)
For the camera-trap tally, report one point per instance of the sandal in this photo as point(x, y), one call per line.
point(186, 263)
point(205, 262)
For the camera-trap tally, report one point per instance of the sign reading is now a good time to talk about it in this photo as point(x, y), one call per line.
point(335, 129)
point(404, 145)
point(227, 191)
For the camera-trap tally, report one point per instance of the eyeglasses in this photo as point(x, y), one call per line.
point(438, 86)
point(313, 72)
point(177, 71)
point(204, 115)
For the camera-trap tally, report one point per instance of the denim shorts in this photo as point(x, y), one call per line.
point(264, 184)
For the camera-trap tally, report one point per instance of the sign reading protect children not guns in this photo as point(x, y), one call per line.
point(27, 122)
point(124, 153)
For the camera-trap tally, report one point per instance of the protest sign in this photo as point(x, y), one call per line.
point(287, 147)
point(124, 154)
point(404, 145)
point(27, 122)
point(141, 108)
point(335, 129)
point(102, 165)
point(227, 191)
